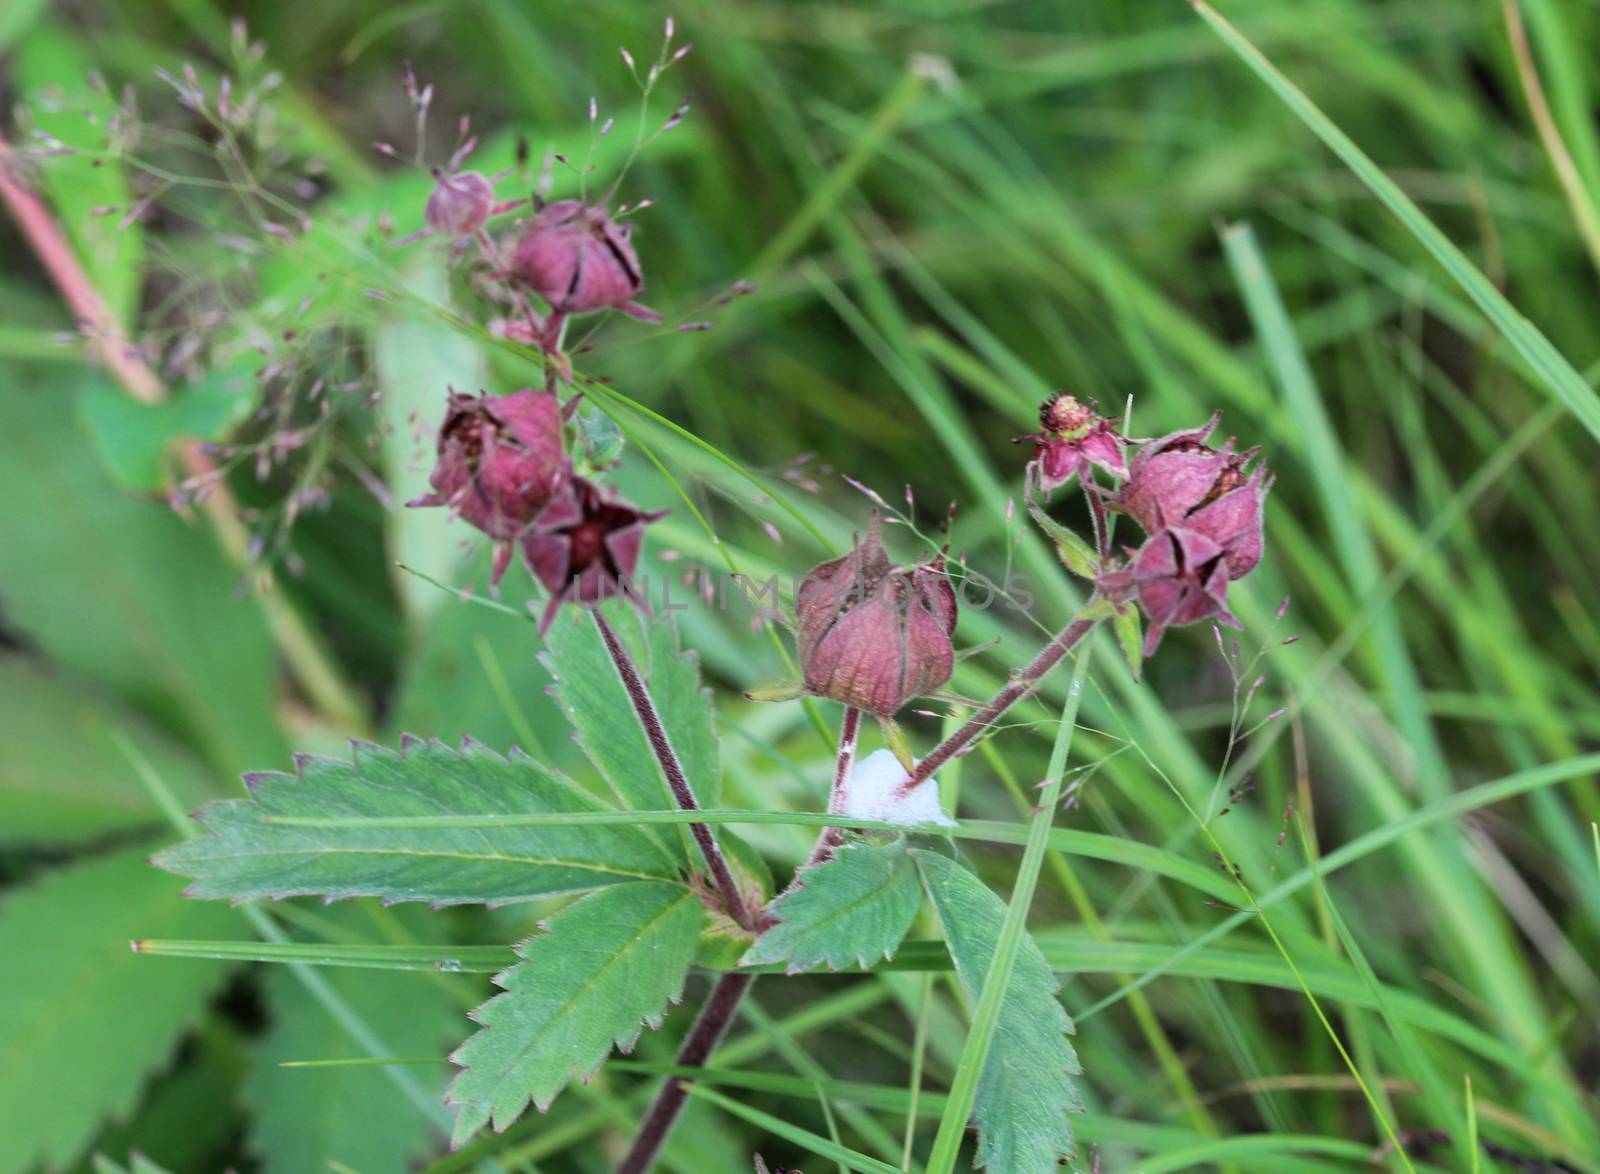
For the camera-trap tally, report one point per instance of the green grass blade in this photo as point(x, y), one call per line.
point(964, 1089)
point(1552, 367)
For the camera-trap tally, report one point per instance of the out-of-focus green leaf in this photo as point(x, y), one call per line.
point(476, 671)
point(604, 966)
point(244, 854)
point(63, 777)
point(189, 1118)
point(16, 18)
point(132, 438)
point(852, 909)
point(1026, 1092)
point(306, 1118)
point(125, 592)
point(591, 693)
point(52, 73)
point(137, 1164)
point(1130, 638)
point(84, 1020)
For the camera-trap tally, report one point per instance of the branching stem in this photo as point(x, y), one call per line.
point(1015, 690)
point(655, 733)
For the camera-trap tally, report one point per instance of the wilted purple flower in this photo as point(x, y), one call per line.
point(874, 635)
point(1074, 437)
point(584, 546)
point(578, 259)
point(1201, 508)
point(459, 204)
point(500, 460)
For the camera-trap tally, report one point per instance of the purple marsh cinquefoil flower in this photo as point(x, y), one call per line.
point(1201, 510)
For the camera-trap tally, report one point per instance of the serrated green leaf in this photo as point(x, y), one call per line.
point(84, 1020)
point(307, 1118)
point(246, 854)
point(63, 779)
point(1026, 1091)
point(852, 909)
point(124, 592)
point(603, 966)
point(594, 700)
point(1130, 638)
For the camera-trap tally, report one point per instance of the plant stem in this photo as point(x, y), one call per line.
point(312, 668)
point(726, 995)
point(661, 745)
point(720, 1007)
point(1015, 690)
point(831, 837)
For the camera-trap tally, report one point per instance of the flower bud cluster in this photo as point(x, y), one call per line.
point(1201, 510)
point(502, 461)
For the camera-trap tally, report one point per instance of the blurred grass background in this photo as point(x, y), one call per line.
point(950, 209)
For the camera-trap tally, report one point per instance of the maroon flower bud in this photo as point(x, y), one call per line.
point(874, 635)
point(1074, 438)
point(459, 204)
point(576, 258)
point(500, 460)
point(1201, 507)
point(584, 546)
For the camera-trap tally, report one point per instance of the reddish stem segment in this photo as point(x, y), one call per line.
point(1015, 690)
point(831, 838)
point(720, 1007)
point(656, 734)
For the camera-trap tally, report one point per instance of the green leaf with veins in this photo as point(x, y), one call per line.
point(247, 854)
point(1026, 1091)
point(591, 694)
point(603, 966)
point(851, 910)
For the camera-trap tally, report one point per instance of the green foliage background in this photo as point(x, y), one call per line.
point(950, 208)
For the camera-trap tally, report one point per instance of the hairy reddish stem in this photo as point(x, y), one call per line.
point(831, 838)
point(1015, 690)
point(44, 236)
point(721, 1005)
point(313, 669)
point(661, 745)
